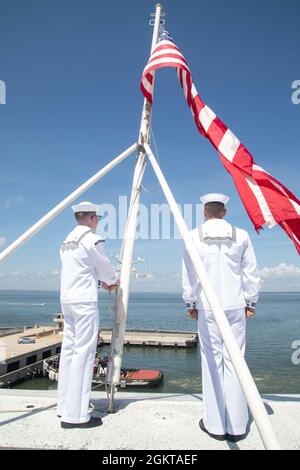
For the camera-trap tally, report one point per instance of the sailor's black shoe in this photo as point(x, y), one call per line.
point(219, 437)
point(92, 423)
point(236, 438)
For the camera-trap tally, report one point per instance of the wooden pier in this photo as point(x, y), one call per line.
point(175, 339)
point(20, 360)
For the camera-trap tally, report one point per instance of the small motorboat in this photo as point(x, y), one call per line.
point(128, 377)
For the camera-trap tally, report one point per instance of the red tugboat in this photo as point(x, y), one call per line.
point(128, 377)
point(141, 377)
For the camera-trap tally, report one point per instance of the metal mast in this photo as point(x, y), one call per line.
point(126, 253)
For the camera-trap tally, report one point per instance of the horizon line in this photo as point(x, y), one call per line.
point(140, 292)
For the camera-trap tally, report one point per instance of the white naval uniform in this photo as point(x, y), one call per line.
point(229, 259)
point(83, 264)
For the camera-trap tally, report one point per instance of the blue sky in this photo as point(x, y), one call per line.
point(72, 71)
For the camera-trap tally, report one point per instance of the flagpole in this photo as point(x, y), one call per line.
point(247, 383)
point(65, 203)
point(126, 253)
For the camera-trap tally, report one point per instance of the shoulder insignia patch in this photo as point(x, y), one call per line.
point(99, 241)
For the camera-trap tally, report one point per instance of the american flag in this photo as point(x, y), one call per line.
point(266, 200)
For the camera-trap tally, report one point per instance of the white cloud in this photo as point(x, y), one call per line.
point(19, 200)
point(282, 270)
point(150, 276)
point(281, 278)
point(157, 282)
point(13, 202)
point(7, 203)
point(2, 241)
point(284, 278)
point(16, 273)
point(20, 280)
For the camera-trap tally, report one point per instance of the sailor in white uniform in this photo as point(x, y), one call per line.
point(83, 264)
point(229, 259)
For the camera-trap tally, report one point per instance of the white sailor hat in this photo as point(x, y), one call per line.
point(86, 207)
point(214, 197)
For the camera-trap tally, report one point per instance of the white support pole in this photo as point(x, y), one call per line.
point(126, 253)
point(254, 400)
point(63, 204)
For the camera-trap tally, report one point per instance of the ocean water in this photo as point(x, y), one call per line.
point(270, 336)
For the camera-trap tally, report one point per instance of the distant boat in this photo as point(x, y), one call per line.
point(128, 377)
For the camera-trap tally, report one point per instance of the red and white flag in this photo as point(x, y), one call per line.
point(266, 200)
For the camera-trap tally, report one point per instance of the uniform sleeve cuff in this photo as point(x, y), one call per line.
point(190, 305)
